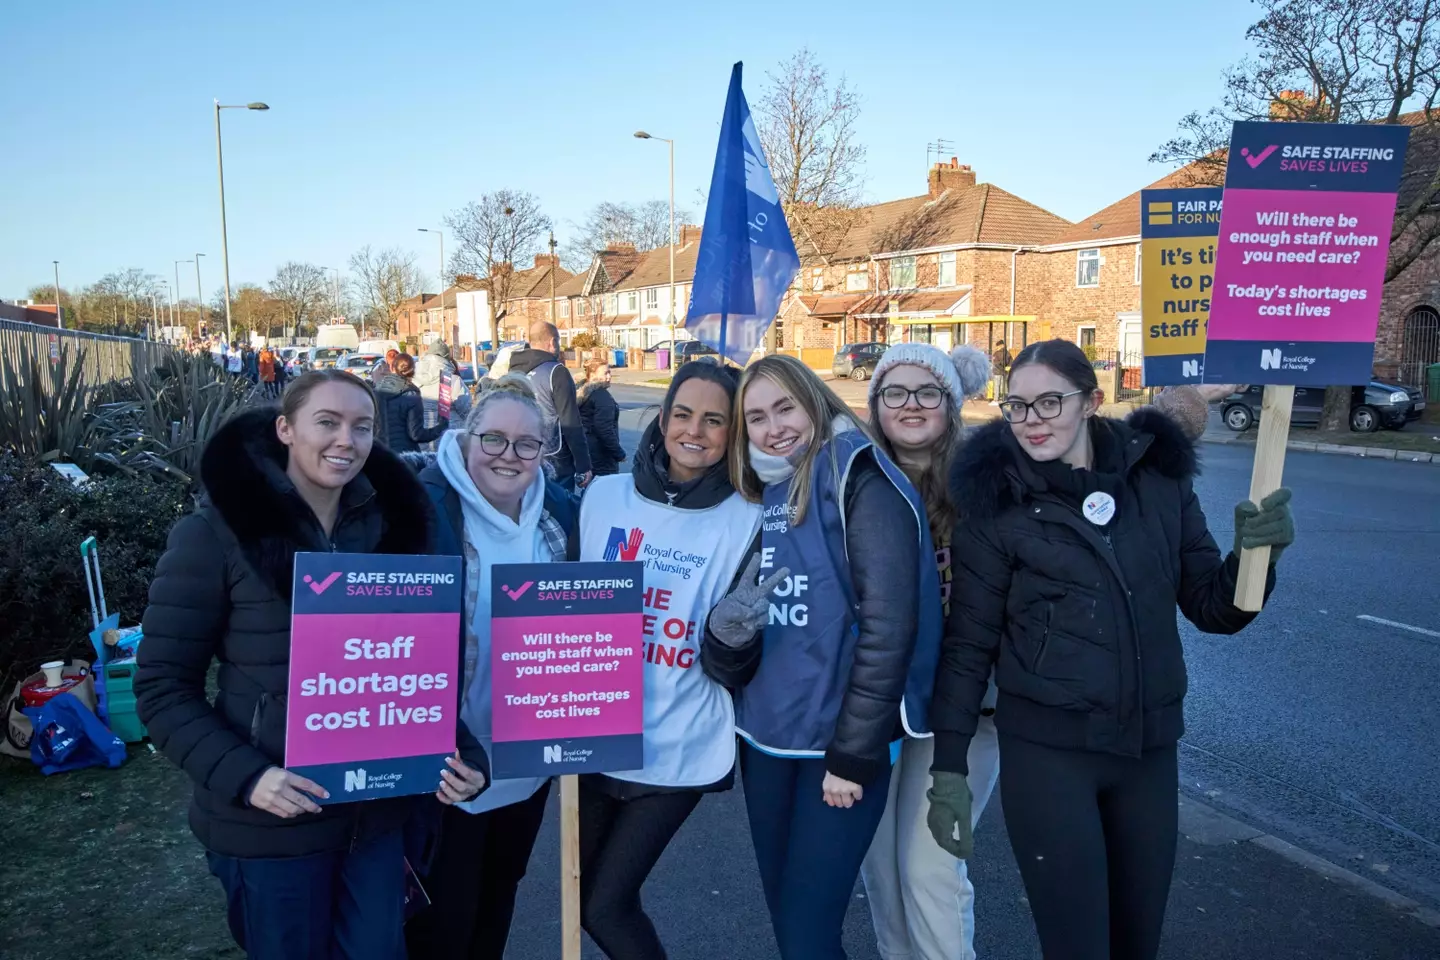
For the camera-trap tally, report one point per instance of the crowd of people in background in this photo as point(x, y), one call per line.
point(980, 605)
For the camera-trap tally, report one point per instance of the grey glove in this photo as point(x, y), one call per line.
point(746, 609)
point(949, 814)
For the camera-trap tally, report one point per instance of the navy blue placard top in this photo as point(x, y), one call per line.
point(376, 583)
point(557, 589)
point(1180, 212)
point(1346, 157)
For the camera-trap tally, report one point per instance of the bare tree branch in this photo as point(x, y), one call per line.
point(493, 234)
point(300, 289)
point(385, 279)
point(646, 225)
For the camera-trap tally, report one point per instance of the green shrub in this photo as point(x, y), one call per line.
point(44, 607)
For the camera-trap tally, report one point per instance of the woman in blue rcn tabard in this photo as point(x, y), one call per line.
point(838, 664)
point(679, 515)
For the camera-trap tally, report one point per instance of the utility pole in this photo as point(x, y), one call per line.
point(553, 264)
point(200, 299)
point(59, 316)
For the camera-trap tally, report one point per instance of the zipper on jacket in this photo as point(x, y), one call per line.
point(1044, 638)
point(255, 719)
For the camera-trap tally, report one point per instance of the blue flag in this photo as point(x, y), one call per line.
point(747, 258)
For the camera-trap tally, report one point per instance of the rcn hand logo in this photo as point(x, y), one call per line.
point(622, 546)
point(354, 780)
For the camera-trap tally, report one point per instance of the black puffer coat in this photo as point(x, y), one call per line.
point(1078, 619)
point(402, 415)
point(600, 415)
point(222, 592)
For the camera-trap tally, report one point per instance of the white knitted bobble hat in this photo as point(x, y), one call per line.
point(963, 373)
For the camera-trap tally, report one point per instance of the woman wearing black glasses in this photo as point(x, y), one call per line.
point(1078, 539)
point(494, 506)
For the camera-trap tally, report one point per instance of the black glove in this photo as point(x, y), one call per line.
point(949, 816)
point(1268, 525)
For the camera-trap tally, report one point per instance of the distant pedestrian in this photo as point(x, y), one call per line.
point(265, 364)
point(435, 366)
point(1081, 538)
point(600, 415)
point(402, 415)
point(1000, 365)
point(384, 365)
point(566, 450)
point(234, 363)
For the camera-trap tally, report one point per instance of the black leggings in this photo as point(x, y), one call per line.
point(620, 843)
point(1094, 837)
point(472, 883)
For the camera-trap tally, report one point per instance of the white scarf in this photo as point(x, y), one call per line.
point(772, 469)
point(490, 538)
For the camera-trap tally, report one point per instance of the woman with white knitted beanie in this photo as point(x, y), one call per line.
point(921, 899)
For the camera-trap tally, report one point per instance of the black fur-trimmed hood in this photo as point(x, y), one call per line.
point(243, 474)
point(988, 473)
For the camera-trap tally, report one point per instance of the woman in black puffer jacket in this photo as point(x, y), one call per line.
point(600, 416)
point(303, 881)
point(402, 411)
point(1079, 539)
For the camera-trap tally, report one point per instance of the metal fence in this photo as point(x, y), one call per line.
point(1120, 374)
point(104, 359)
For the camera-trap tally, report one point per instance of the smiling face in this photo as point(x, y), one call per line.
point(774, 421)
point(1063, 437)
point(503, 479)
point(329, 436)
point(697, 430)
point(912, 428)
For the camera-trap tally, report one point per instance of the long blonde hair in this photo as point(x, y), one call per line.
point(818, 402)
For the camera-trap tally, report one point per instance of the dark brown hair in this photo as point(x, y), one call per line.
point(403, 365)
point(1064, 358)
point(302, 386)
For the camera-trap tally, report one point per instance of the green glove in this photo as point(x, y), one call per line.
point(1268, 525)
point(949, 816)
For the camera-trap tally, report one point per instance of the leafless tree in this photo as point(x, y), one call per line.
point(300, 289)
point(493, 235)
point(807, 125)
point(646, 225)
point(1337, 61)
point(385, 279)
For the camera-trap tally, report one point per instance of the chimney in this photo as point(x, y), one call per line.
point(1297, 105)
point(501, 268)
point(466, 279)
point(686, 233)
point(950, 176)
point(619, 248)
point(544, 260)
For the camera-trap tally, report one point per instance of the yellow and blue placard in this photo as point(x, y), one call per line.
point(1178, 231)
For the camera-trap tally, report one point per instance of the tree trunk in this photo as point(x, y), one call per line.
point(1336, 415)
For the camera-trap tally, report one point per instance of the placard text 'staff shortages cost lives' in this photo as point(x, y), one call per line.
point(373, 695)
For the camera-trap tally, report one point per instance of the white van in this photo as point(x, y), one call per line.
point(381, 347)
point(340, 335)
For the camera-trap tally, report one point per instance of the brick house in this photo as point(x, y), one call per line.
point(624, 297)
point(938, 268)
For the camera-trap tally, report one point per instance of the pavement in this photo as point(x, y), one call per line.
point(1309, 769)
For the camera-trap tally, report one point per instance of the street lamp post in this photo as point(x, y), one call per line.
point(336, 303)
point(200, 299)
point(169, 303)
point(437, 233)
point(154, 316)
point(220, 166)
point(642, 135)
point(178, 311)
point(553, 265)
point(59, 317)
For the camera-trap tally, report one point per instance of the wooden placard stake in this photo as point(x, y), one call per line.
point(1265, 480)
point(570, 867)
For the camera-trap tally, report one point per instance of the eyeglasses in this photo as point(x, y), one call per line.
point(1047, 407)
point(929, 396)
point(495, 445)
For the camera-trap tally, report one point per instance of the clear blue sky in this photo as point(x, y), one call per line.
point(386, 116)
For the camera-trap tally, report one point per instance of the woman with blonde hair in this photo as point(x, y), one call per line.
point(495, 505)
point(838, 662)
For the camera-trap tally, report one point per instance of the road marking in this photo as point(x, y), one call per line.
point(1400, 626)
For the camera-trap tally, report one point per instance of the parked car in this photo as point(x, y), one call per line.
point(687, 350)
point(1379, 404)
point(359, 364)
point(467, 372)
point(319, 358)
point(857, 360)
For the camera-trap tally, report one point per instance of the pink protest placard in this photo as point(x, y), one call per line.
point(373, 694)
point(1301, 256)
point(567, 668)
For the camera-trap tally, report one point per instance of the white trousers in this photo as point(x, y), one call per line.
point(921, 900)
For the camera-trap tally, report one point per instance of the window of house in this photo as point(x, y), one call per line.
point(947, 269)
point(1087, 268)
point(612, 304)
point(631, 299)
point(902, 273)
point(652, 298)
point(817, 279)
point(858, 279)
point(581, 308)
point(564, 308)
point(1138, 263)
point(1085, 337)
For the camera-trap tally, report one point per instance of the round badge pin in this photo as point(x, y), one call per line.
point(1099, 508)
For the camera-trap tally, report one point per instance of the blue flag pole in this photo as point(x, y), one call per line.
point(747, 257)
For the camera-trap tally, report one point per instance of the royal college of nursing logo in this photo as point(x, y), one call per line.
point(623, 545)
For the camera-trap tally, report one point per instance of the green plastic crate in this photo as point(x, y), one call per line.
point(120, 700)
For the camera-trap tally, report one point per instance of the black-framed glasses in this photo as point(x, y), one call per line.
point(928, 396)
point(495, 445)
point(1047, 407)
